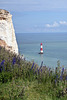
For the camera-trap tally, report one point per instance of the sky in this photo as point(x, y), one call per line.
point(37, 16)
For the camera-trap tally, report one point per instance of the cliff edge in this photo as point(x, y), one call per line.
point(7, 33)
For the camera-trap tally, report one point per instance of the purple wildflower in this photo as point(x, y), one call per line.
point(2, 62)
point(56, 76)
point(62, 70)
point(35, 67)
point(49, 69)
point(61, 78)
point(2, 65)
point(32, 66)
point(41, 70)
point(35, 72)
point(55, 81)
point(41, 64)
point(66, 78)
point(0, 69)
point(38, 71)
point(14, 61)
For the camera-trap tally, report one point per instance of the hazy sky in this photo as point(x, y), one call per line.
point(31, 16)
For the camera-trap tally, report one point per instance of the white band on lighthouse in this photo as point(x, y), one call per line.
point(41, 46)
point(42, 51)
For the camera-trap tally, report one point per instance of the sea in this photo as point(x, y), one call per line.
point(54, 48)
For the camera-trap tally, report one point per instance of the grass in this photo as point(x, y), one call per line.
point(23, 80)
point(21, 90)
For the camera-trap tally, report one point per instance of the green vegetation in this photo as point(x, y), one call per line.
point(23, 80)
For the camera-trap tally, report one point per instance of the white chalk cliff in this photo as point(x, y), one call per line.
point(7, 33)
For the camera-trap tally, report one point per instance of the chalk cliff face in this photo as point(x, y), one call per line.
point(7, 34)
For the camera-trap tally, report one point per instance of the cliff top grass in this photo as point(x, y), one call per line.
point(23, 80)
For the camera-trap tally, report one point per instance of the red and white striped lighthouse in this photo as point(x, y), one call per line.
point(41, 49)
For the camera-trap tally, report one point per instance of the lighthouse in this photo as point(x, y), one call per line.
point(41, 49)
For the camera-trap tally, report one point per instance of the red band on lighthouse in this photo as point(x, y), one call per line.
point(41, 43)
point(41, 49)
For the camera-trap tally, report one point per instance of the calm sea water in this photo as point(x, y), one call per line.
point(54, 47)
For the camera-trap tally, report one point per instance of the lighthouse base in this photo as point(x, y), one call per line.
point(40, 52)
